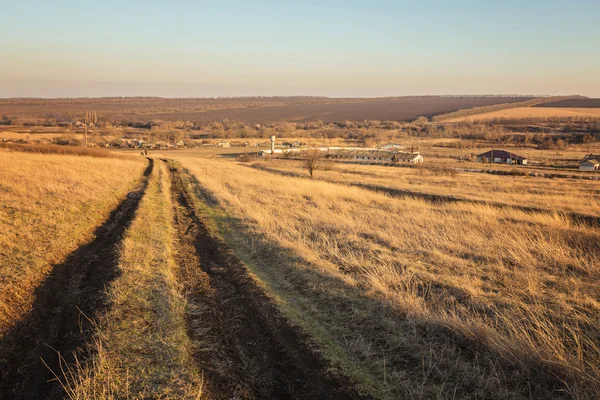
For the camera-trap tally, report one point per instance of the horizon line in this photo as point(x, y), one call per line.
point(286, 96)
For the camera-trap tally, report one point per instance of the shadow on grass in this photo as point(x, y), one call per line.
point(253, 350)
point(585, 219)
point(387, 353)
point(54, 332)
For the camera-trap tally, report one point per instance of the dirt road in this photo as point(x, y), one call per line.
point(247, 348)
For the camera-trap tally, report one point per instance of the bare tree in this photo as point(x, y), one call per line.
point(287, 153)
point(312, 161)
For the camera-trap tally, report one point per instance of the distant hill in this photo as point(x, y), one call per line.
point(573, 103)
point(478, 111)
point(251, 109)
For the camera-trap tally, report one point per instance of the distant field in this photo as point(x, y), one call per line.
point(573, 103)
point(144, 105)
point(250, 110)
point(401, 109)
point(534, 112)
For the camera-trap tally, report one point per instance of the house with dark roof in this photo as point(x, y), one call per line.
point(501, 157)
point(589, 164)
point(591, 156)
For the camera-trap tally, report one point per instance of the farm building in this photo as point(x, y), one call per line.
point(501, 157)
point(377, 157)
point(223, 144)
point(413, 158)
point(365, 157)
point(591, 164)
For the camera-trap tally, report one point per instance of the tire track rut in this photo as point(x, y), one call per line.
point(246, 347)
point(56, 329)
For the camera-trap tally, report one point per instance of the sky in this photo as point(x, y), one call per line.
point(65, 48)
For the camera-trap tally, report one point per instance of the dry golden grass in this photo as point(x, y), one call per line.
point(532, 112)
point(422, 300)
point(50, 205)
point(63, 150)
point(10, 135)
point(141, 347)
point(555, 195)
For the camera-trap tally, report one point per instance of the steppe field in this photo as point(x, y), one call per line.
point(566, 109)
point(533, 113)
point(250, 110)
point(196, 274)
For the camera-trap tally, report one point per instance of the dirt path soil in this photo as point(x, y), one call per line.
point(57, 324)
point(245, 346)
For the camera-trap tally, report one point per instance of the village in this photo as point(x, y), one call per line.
point(386, 154)
point(394, 154)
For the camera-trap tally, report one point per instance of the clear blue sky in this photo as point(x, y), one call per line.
point(335, 48)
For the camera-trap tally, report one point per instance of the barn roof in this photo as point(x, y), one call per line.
point(589, 162)
point(502, 154)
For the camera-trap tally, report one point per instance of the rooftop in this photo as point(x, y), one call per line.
point(501, 154)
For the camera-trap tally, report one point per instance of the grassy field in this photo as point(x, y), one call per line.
point(219, 279)
point(420, 299)
point(15, 136)
point(558, 195)
point(144, 303)
point(532, 112)
point(51, 204)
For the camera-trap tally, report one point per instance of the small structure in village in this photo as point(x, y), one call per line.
point(223, 144)
point(391, 146)
point(413, 158)
point(501, 157)
point(591, 162)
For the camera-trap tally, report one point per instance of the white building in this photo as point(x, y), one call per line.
point(413, 158)
point(377, 157)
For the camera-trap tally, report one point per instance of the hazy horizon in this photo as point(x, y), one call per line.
point(257, 94)
point(336, 49)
